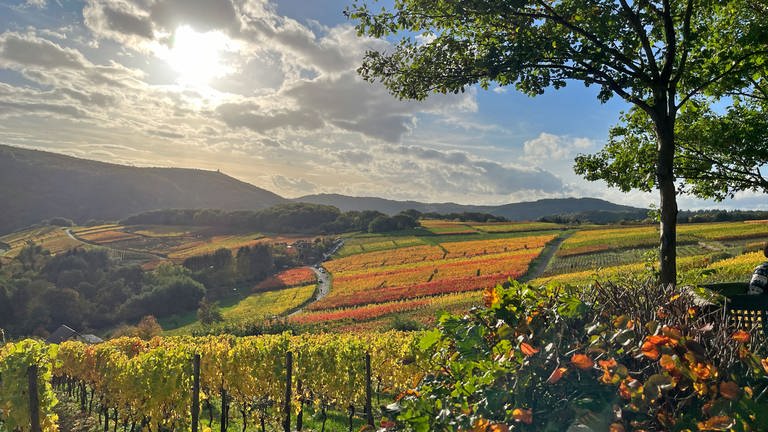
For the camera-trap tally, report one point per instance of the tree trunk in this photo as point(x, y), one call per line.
point(665, 133)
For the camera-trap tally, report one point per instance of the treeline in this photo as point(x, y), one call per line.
point(720, 215)
point(222, 271)
point(283, 218)
point(85, 289)
point(684, 216)
point(598, 217)
point(463, 217)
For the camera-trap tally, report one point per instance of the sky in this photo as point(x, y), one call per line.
point(267, 92)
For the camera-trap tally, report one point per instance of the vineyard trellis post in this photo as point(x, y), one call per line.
point(288, 379)
point(368, 402)
point(195, 392)
point(300, 415)
point(34, 400)
point(223, 418)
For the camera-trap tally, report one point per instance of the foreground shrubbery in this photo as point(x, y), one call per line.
point(616, 358)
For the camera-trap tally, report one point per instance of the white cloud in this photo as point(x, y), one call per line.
point(291, 115)
point(39, 4)
point(549, 147)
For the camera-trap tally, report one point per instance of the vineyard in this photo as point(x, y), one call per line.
point(370, 286)
point(266, 379)
point(375, 281)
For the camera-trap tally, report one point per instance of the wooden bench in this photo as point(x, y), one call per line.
point(746, 311)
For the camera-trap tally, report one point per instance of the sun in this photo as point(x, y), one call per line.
point(197, 57)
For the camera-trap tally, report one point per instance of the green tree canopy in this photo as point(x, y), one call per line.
point(658, 55)
point(718, 154)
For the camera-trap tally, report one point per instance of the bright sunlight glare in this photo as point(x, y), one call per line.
point(196, 56)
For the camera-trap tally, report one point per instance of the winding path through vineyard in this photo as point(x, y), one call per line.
point(545, 258)
point(73, 236)
point(323, 288)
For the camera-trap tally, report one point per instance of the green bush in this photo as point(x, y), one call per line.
point(611, 357)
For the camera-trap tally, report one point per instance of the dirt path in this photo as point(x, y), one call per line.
point(323, 282)
point(543, 261)
point(156, 257)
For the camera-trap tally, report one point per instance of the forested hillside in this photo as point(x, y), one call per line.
point(40, 185)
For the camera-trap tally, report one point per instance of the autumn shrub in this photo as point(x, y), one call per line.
point(613, 357)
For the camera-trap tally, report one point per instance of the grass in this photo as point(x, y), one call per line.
point(442, 227)
point(506, 227)
point(254, 306)
point(373, 242)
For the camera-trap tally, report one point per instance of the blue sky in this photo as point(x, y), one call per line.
point(267, 92)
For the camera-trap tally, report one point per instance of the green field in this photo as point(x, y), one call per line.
point(254, 307)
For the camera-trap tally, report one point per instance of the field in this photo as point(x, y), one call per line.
point(256, 306)
point(506, 227)
point(417, 282)
point(53, 238)
point(381, 281)
point(441, 227)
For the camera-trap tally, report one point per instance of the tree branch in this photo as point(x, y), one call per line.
point(638, 26)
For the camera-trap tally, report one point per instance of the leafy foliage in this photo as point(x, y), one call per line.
point(632, 357)
point(15, 360)
point(718, 154)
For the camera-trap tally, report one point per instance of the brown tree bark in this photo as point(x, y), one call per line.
point(665, 125)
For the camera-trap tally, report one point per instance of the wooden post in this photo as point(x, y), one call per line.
point(195, 392)
point(34, 400)
point(288, 379)
point(300, 415)
point(223, 417)
point(83, 397)
point(368, 400)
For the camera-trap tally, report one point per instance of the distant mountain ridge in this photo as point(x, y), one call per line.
point(38, 185)
point(515, 211)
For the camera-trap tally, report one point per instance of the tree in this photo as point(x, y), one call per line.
point(209, 313)
point(148, 328)
point(658, 55)
point(718, 154)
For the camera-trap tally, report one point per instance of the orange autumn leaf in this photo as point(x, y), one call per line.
point(609, 378)
point(667, 362)
point(740, 336)
point(616, 427)
point(582, 361)
point(608, 364)
point(702, 370)
point(480, 425)
point(556, 375)
point(672, 333)
point(730, 390)
point(523, 415)
point(650, 350)
point(657, 339)
point(624, 390)
point(527, 349)
point(716, 423)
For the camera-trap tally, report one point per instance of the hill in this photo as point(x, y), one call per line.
point(39, 185)
point(515, 211)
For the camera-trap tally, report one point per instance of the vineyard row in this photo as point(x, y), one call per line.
point(157, 385)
